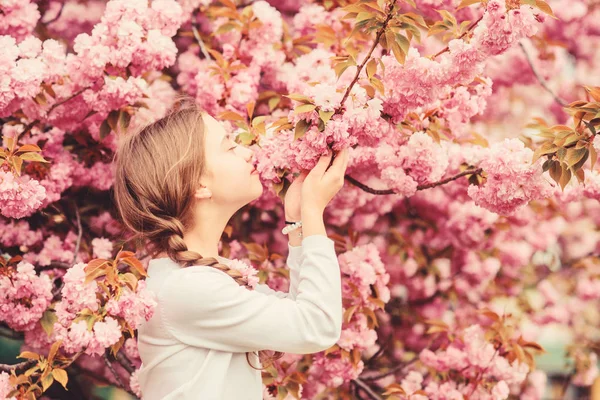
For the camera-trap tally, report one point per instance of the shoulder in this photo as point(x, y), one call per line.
point(197, 276)
point(197, 287)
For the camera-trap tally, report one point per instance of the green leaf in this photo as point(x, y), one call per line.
point(113, 119)
point(33, 157)
point(544, 7)
point(403, 42)
point(555, 171)
point(565, 176)
point(47, 382)
point(104, 129)
point(273, 102)
point(246, 138)
point(61, 376)
point(575, 155)
point(398, 53)
point(301, 128)
point(225, 28)
point(304, 108)
point(47, 321)
point(546, 165)
point(371, 67)
point(546, 148)
point(124, 119)
point(30, 355)
point(299, 97)
point(28, 147)
point(231, 116)
point(325, 115)
point(447, 16)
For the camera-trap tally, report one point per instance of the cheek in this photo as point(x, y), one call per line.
point(231, 173)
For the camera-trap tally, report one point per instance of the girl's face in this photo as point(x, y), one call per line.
point(229, 171)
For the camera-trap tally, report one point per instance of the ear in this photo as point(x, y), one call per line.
point(203, 193)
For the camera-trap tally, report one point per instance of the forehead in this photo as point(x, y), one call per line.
point(214, 133)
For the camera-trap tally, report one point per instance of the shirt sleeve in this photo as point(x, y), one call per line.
point(293, 263)
point(204, 307)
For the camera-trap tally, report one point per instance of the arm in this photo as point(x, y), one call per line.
point(204, 307)
point(293, 263)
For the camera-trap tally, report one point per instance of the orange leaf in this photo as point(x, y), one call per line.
point(136, 264)
point(29, 147)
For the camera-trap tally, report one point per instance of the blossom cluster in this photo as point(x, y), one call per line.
point(25, 296)
point(105, 328)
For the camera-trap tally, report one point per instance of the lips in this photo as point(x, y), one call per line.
point(254, 171)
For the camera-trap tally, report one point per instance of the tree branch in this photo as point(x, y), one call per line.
point(540, 78)
point(19, 366)
point(420, 187)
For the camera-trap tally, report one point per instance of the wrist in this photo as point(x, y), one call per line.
point(292, 216)
point(311, 211)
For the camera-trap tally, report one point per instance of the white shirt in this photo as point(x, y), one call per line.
point(194, 345)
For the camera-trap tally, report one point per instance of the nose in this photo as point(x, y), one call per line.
point(248, 153)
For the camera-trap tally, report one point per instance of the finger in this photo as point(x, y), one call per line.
point(302, 175)
point(321, 166)
point(338, 165)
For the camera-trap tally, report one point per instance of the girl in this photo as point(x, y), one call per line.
point(178, 182)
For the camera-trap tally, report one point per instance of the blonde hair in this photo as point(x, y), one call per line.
point(157, 170)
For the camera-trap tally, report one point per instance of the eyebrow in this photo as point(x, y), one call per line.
point(223, 140)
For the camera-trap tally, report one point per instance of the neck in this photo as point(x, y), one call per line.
point(206, 234)
point(204, 237)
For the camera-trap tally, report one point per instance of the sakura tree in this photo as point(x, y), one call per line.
point(467, 226)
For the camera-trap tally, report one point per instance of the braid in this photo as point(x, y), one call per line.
point(178, 252)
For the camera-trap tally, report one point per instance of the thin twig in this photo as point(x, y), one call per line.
point(7, 332)
point(57, 264)
point(445, 49)
point(540, 78)
point(57, 290)
point(79, 234)
point(200, 41)
point(109, 365)
point(367, 389)
point(367, 189)
point(373, 46)
point(125, 362)
point(395, 369)
point(58, 103)
point(62, 7)
point(452, 178)
point(383, 346)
